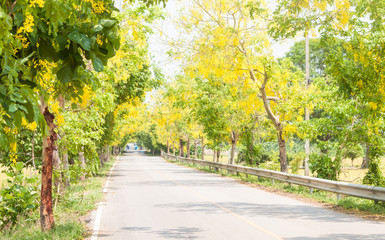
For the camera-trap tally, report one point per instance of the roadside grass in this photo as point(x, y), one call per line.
point(351, 205)
point(69, 214)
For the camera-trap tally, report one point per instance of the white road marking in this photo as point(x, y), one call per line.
point(98, 216)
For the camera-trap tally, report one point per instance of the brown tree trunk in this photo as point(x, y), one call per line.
point(56, 167)
point(233, 146)
point(173, 147)
point(366, 159)
point(203, 149)
point(188, 147)
point(107, 153)
point(82, 165)
point(168, 147)
point(196, 149)
point(282, 152)
point(214, 155)
point(181, 148)
point(218, 155)
point(33, 150)
point(100, 155)
point(65, 167)
point(49, 144)
point(252, 147)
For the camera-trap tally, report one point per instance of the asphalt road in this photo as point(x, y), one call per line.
point(150, 198)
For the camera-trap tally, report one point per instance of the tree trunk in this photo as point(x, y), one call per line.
point(71, 160)
point(214, 155)
point(173, 147)
point(233, 146)
point(203, 149)
point(168, 147)
point(282, 152)
point(33, 150)
point(366, 159)
point(65, 167)
point(82, 165)
point(56, 166)
point(218, 155)
point(100, 155)
point(307, 110)
point(49, 144)
point(196, 149)
point(188, 147)
point(107, 153)
point(181, 148)
point(252, 146)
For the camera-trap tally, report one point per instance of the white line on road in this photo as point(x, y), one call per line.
point(98, 216)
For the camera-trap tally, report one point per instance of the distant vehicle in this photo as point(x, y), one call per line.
point(132, 146)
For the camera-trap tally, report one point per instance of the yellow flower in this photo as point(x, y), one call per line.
point(38, 2)
point(13, 147)
point(98, 7)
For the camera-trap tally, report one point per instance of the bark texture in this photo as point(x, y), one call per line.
point(203, 149)
point(188, 147)
point(49, 144)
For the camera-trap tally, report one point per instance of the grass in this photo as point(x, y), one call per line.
point(75, 203)
point(352, 205)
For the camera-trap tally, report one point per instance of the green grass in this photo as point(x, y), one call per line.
point(75, 203)
point(363, 207)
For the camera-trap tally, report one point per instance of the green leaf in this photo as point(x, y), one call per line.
point(13, 107)
point(47, 51)
point(107, 22)
point(19, 166)
point(66, 73)
point(17, 118)
point(97, 64)
point(81, 39)
point(98, 28)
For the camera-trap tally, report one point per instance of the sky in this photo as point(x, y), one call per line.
point(159, 50)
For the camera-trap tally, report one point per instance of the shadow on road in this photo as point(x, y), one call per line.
point(270, 210)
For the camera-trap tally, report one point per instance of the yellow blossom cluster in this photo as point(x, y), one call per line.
point(40, 3)
point(98, 7)
point(12, 152)
point(86, 97)
point(25, 29)
point(343, 17)
point(56, 111)
point(31, 126)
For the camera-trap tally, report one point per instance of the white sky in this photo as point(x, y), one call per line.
point(159, 50)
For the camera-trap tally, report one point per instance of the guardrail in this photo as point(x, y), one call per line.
point(350, 189)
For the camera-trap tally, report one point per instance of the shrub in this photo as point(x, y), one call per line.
point(324, 166)
point(19, 199)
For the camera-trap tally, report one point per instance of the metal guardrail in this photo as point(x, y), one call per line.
point(350, 189)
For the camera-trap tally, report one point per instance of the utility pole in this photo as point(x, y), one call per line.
point(307, 82)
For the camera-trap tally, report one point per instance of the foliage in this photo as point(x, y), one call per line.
point(374, 175)
point(75, 203)
point(323, 166)
point(297, 162)
point(19, 199)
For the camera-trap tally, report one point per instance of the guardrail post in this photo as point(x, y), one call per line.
point(311, 190)
point(273, 181)
point(338, 196)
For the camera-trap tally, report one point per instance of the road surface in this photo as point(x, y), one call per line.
point(149, 198)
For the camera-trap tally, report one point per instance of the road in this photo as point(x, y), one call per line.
point(149, 198)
